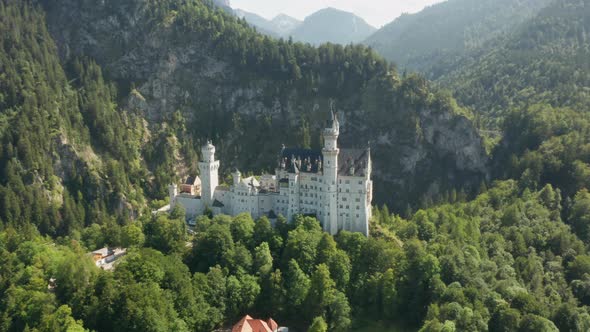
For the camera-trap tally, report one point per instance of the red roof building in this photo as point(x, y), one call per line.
point(249, 324)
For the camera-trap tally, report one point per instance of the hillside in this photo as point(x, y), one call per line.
point(250, 93)
point(334, 26)
point(545, 60)
point(103, 103)
point(448, 30)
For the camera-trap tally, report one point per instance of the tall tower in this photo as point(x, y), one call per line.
point(330, 152)
point(209, 168)
point(173, 192)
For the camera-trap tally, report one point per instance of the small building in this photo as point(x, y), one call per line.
point(249, 324)
point(191, 186)
point(106, 257)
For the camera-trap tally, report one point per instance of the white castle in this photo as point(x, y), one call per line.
point(334, 185)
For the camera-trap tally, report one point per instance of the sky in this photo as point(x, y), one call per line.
point(375, 12)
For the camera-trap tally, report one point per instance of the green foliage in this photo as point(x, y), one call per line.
point(443, 32)
point(318, 325)
point(542, 61)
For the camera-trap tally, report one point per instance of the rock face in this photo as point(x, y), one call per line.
point(414, 153)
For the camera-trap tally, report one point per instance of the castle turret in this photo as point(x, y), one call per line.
point(209, 168)
point(237, 177)
point(173, 192)
point(330, 152)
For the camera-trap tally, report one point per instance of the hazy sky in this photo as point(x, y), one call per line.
point(376, 12)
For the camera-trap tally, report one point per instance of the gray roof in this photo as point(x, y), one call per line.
point(355, 158)
point(305, 156)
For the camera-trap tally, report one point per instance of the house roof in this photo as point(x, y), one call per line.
point(193, 180)
point(356, 160)
point(272, 324)
point(248, 324)
point(102, 251)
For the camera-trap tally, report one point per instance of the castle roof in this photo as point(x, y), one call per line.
point(296, 159)
point(193, 180)
point(353, 159)
point(217, 203)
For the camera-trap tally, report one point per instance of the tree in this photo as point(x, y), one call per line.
point(242, 229)
point(211, 247)
point(318, 325)
point(321, 292)
point(132, 236)
point(504, 319)
point(262, 260)
point(62, 321)
point(534, 323)
point(297, 284)
point(165, 234)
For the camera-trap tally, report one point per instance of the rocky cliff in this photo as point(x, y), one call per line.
point(423, 145)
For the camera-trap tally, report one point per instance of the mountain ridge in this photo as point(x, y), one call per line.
point(448, 30)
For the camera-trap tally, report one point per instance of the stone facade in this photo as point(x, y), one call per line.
point(334, 185)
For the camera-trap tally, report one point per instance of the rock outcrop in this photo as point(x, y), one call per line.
point(418, 151)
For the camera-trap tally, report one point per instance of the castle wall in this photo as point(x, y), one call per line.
point(192, 204)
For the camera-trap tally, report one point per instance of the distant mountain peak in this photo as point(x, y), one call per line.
point(333, 25)
point(284, 24)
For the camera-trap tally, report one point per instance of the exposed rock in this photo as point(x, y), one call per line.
point(212, 95)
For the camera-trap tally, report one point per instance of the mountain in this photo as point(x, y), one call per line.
point(260, 23)
point(334, 26)
point(279, 27)
point(284, 24)
point(251, 93)
point(448, 30)
point(545, 60)
point(103, 103)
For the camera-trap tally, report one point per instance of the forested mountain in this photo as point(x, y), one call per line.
point(334, 26)
point(545, 60)
point(250, 93)
point(449, 30)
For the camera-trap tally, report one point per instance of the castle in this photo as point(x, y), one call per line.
point(334, 185)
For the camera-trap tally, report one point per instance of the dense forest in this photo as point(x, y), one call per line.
point(447, 31)
point(86, 155)
point(545, 60)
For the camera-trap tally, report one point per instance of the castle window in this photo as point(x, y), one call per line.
point(341, 207)
point(347, 181)
point(348, 206)
point(344, 199)
point(358, 199)
point(347, 190)
point(357, 215)
point(361, 182)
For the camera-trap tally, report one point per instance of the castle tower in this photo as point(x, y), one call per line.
point(209, 168)
point(237, 177)
point(330, 152)
point(173, 192)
